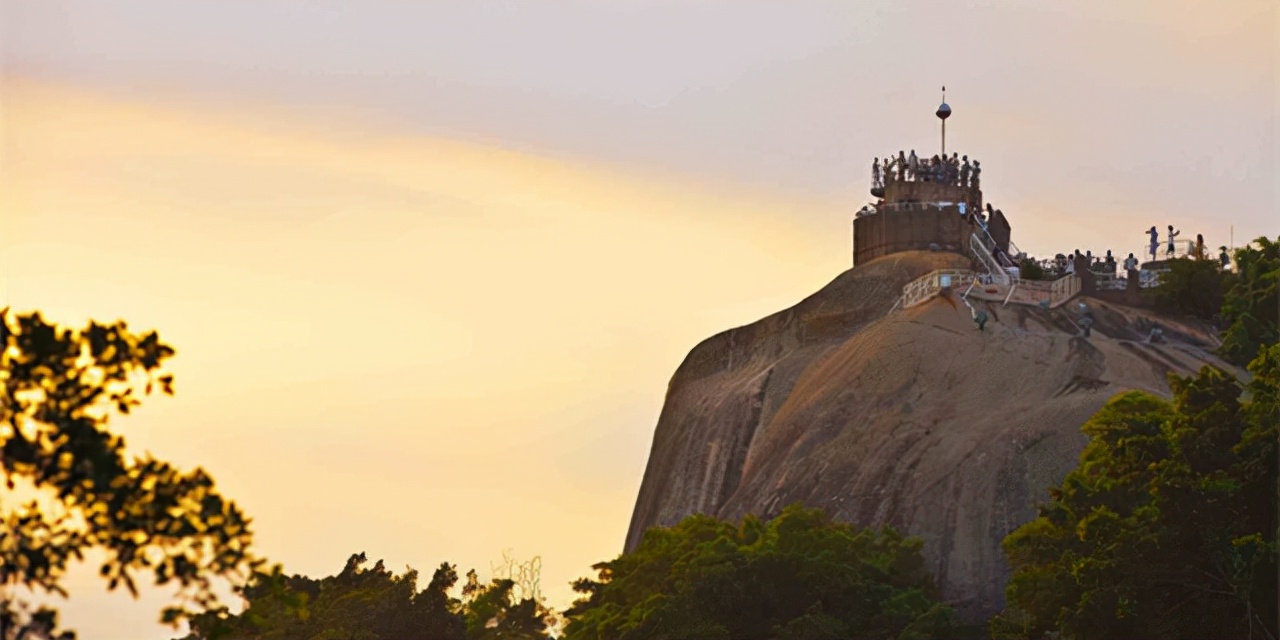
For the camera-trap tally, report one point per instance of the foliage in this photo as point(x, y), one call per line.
point(1029, 269)
point(493, 612)
point(359, 603)
point(1252, 304)
point(800, 575)
point(60, 388)
point(375, 604)
point(1167, 528)
point(1191, 287)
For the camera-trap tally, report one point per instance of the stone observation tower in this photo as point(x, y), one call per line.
point(926, 202)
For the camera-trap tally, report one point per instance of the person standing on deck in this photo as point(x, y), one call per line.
point(1168, 252)
point(1130, 263)
point(1155, 240)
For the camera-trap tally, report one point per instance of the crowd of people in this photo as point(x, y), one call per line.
point(955, 170)
point(1064, 264)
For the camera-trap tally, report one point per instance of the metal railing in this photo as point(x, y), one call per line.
point(1181, 249)
point(1104, 282)
point(1063, 289)
point(1027, 292)
point(915, 206)
point(924, 170)
point(983, 255)
point(924, 288)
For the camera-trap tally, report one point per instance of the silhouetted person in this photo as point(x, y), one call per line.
point(1199, 247)
point(1155, 240)
point(875, 173)
point(977, 169)
point(1130, 263)
point(1224, 258)
point(905, 165)
point(1001, 257)
point(1172, 234)
point(965, 169)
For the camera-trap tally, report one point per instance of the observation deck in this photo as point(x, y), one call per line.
point(925, 204)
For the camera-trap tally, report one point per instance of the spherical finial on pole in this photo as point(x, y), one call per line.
point(944, 112)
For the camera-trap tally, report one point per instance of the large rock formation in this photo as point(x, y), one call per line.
point(914, 419)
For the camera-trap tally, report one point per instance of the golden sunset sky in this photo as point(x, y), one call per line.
point(428, 269)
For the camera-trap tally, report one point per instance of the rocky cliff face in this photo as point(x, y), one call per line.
point(915, 420)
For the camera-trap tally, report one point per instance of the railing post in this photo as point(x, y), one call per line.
point(1012, 286)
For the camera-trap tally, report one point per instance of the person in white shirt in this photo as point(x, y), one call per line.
point(1172, 234)
point(1130, 263)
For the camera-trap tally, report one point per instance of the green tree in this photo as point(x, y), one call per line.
point(1191, 287)
point(359, 603)
point(362, 603)
point(1030, 269)
point(800, 575)
point(1252, 304)
point(60, 389)
point(492, 612)
point(1167, 527)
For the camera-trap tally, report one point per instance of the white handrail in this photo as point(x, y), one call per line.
point(925, 287)
point(1063, 289)
point(994, 269)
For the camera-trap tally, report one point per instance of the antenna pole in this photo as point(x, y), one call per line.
point(944, 123)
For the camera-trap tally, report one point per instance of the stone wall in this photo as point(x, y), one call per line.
point(1131, 296)
point(913, 191)
point(999, 229)
point(890, 231)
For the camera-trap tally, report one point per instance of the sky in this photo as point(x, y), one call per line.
point(428, 267)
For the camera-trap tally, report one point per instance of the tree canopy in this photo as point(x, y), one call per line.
point(1167, 527)
point(1192, 287)
point(372, 603)
point(1251, 305)
point(60, 389)
point(798, 576)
